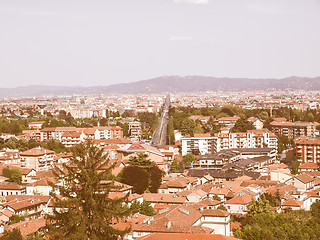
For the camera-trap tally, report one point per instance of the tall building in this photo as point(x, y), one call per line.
point(307, 150)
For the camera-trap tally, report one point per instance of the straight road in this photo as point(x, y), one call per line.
point(160, 133)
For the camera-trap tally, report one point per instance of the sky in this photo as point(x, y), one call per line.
point(103, 42)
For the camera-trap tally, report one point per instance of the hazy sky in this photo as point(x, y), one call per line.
point(100, 42)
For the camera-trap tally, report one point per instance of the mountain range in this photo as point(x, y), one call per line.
point(172, 84)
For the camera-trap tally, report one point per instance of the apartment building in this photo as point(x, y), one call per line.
point(228, 122)
point(37, 158)
point(242, 158)
point(293, 129)
point(135, 131)
point(307, 150)
point(110, 132)
point(199, 144)
point(66, 133)
point(208, 144)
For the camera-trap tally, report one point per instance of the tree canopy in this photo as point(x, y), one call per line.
point(83, 208)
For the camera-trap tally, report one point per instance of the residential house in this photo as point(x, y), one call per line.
point(125, 152)
point(238, 204)
point(7, 189)
point(37, 158)
point(301, 182)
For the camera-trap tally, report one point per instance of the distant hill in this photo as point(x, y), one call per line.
point(172, 84)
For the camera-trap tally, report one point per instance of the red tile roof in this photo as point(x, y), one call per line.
point(29, 226)
point(185, 236)
point(305, 178)
point(215, 213)
point(37, 151)
point(244, 200)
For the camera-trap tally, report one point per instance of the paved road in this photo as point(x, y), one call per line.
point(160, 133)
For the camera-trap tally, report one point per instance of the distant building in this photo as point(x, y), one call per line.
point(293, 129)
point(36, 125)
point(256, 122)
point(228, 122)
point(135, 131)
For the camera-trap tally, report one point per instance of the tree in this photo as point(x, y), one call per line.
point(135, 206)
point(35, 236)
point(222, 207)
point(155, 179)
point(315, 210)
point(13, 174)
point(260, 206)
point(146, 209)
point(16, 176)
point(187, 126)
point(136, 177)
point(242, 125)
point(212, 126)
point(10, 235)
point(16, 218)
point(188, 158)
point(148, 176)
point(83, 209)
point(275, 201)
point(141, 160)
point(295, 167)
point(174, 168)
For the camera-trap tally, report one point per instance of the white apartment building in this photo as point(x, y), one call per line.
point(208, 144)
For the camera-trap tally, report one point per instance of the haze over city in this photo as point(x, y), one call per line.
point(90, 43)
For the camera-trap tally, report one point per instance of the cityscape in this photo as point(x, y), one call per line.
point(164, 119)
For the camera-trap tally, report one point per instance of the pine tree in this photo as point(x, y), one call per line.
point(83, 209)
point(141, 160)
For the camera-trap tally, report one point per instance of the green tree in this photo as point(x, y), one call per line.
point(295, 167)
point(141, 160)
point(315, 210)
point(35, 236)
point(135, 206)
point(212, 126)
point(260, 206)
point(189, 157)
point(155, 179)
point(146, 209)
point(242, 125)
point(275, 201)
point(16, 176)
point(187, 126)
point(174, 168)
point(13, 174)
point(16, 218)
point(84, 209)
point(15, 234)
point(6, 172)
point(222, 207)
point(136, 177)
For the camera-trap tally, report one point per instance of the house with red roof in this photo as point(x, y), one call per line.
point(184, 236)
point(154, 154)
point(293, 204)
point(301, 182)
point(186, 219)
point(238, 204)
point(27, 227)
